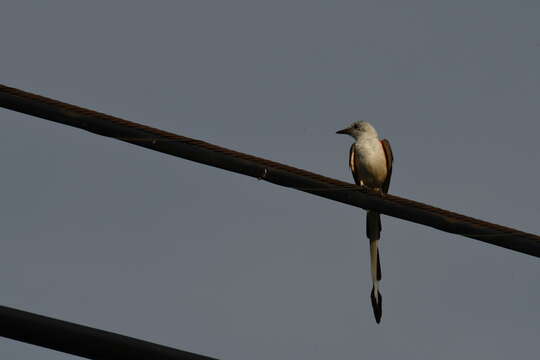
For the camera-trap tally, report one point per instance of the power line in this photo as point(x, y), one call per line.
point(81, 340)
point(280, 174)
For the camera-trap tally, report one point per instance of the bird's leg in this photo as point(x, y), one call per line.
point(363, 187)
point(379, 192)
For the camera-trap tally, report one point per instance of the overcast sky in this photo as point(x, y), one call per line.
point(114, 236)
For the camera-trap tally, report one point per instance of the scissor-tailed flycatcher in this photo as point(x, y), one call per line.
point(370, 160)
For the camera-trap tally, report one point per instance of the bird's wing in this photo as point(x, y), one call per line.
point(389, 161)
point(352, 164)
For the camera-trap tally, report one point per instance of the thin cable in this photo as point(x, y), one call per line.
point(263, 169)
point(82, 340)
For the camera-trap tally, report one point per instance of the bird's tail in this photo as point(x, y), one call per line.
point(373, 227)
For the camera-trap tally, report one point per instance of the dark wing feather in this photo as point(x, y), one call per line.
point(352, 165)
point(389, 161)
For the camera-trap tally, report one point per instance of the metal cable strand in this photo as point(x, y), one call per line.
point(271, 171)
point(167, 135)
point(84, 341)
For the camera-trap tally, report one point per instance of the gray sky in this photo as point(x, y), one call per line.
point(114, 236)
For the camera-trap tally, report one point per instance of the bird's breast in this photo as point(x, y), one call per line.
point(371, 162)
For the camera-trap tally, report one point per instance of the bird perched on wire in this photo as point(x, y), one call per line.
point(370, 160)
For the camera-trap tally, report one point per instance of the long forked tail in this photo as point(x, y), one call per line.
point(373, 228)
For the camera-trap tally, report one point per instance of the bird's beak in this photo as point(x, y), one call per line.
point(346, 131)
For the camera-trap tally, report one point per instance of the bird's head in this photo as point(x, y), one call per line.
point(359, 129)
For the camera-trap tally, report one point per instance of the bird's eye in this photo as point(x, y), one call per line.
point(356, 126)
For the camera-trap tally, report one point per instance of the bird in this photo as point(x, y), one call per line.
point(370, 160)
